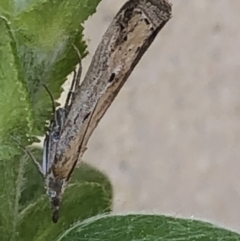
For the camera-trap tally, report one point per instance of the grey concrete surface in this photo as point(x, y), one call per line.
point(170, 142)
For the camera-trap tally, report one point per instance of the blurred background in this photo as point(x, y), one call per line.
point(170, 142)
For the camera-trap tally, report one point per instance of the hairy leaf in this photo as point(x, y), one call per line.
point(14, 98)
point(43, 33)
point(146, 228)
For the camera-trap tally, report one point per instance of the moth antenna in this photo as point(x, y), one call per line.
point(52, 100)
point(29, 154)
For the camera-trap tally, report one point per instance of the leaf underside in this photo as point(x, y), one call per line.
point(147, 228)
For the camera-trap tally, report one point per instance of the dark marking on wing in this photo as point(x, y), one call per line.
point(111, 77)
point(121, 26)
point(86, 116)
point(146, 21)
point(128, 13)
point(75, 119)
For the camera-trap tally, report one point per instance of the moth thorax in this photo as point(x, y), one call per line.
point(54, 187)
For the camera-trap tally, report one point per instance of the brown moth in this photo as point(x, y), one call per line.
point(127, 38)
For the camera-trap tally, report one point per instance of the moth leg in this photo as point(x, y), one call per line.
point(71, 92)
point(75, 82)
point(39, 167)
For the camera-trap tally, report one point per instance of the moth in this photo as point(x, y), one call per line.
point(131, 32)
point(52, 137)
point(51, 140)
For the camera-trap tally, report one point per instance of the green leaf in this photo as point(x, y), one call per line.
point(45, 32)
point(14, 96)
point(87, 173)
point(11, 179)
point(42, 32)
point(146, 228)
point(55, 19)
point(81, 201)
point(6, 7)
point(10, 8)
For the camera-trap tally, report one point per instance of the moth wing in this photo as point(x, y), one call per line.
point(127, 38)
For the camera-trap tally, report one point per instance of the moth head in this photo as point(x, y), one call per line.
point(55, 202)
point(55, 189)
